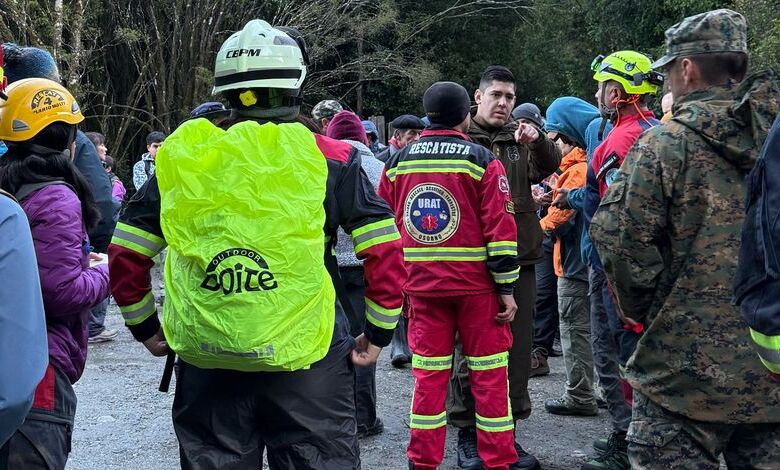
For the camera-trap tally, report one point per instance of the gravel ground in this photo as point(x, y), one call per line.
point(123, 422)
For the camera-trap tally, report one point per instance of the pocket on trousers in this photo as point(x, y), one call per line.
point(652, 433)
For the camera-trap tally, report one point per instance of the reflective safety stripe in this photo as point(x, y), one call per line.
point(374, 233)
point(139, 311)
point(768, 348)
point(488, 362)
point(505, 423)
point(137, 240)
point(427, 421)
point(502, 248)
point(445, 253)
point(436, 166)
point(507, 277)
point(432, 363)
point(377, 315)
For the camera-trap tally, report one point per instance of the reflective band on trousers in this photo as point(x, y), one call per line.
point(436, 166)
point(502, 424)
point(768, 348)
point(427, 422)
point(432, 363)
point(377, 315)
point(374, 233)
point(488, 362)
point(502, 248)
point(139, 311)
point(442, 253)
point(137, 240)
point(507, 277)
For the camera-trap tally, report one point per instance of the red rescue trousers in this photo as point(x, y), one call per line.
point(433, 324)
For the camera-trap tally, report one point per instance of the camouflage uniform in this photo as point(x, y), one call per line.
point(326, 109)
point(668, 232)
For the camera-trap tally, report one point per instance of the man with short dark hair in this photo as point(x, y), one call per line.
point(668, 232)
point(529, 156)
point(144, 168)
point(406, 129)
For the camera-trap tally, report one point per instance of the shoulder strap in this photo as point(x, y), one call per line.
point(8, 195)
point(148, 168)
point(27, 189)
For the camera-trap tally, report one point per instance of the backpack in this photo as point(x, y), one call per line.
point(246, 285)
point(757, 283)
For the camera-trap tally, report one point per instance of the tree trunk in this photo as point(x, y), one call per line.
point(58, 22)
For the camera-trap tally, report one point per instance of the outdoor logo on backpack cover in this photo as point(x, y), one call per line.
point(431, 214)
point(246, 271)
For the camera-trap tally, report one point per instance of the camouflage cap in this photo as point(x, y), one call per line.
point(713, 31)
point(326, 109)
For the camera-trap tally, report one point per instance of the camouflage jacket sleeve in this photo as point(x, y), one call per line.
point(629, 231)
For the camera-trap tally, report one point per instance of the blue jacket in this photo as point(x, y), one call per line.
point(23, 343)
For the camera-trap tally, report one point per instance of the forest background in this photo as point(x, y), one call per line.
point(137, 66)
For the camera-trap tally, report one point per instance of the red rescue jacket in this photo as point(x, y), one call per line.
point(453, 207)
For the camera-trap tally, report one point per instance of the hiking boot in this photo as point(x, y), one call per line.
point(400, 360)
point(399, 346)
point(557, 351)
point(468, 457)
point(615, 457)
point(103, 336)
point(525, 461)
point(368, 431)
point(601, 445)
point(566, 406)
point(539, 362)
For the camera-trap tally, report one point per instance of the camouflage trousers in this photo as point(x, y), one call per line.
point(659, 439)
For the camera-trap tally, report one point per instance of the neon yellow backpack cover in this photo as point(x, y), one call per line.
point(242, 212)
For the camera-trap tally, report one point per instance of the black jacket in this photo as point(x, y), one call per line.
point(88, 163)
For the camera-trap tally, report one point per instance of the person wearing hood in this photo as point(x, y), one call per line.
point(567, 121)
point(668, 232)
point(346, 126)
point(372, 134)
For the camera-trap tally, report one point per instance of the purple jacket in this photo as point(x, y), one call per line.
point(69, 286)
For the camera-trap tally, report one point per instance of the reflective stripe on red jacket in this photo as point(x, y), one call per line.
point(453, 207)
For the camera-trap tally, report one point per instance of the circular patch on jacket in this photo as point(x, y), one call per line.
point(431, 214)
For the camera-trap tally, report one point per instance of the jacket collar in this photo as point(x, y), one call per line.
point(444, 133)
point(489, 136)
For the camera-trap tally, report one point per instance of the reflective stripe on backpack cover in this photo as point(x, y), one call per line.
point(242, 212)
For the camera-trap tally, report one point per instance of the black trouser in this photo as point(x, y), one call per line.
point(43, 442)
point(546, 317)
point(224, 419)
point(365, 377)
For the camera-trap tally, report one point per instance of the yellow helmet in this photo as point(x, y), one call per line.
point(32, 105)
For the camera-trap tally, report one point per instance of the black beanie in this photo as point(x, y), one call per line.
point(446, 104)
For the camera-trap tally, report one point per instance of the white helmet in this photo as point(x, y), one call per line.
point(260, 56)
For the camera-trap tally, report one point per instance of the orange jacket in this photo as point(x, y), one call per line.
point(574, 170)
